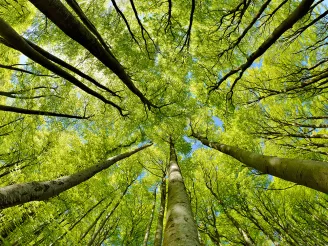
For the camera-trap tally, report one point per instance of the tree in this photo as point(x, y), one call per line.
point(231, 94)
point(180, 226)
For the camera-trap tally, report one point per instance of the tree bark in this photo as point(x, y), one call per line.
point(108, 216)
point(64, 64)
point(150, 220)
point(159, 228)
point(181, 228)
point(78, 221)
point(14, 40)
point(38, 112)
point(247, 239)
point(288, 23)
point(37, 191)
point(313, 174)
point(77, 9)
point(65, 20)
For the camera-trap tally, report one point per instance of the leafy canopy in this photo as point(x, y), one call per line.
point(187, 58)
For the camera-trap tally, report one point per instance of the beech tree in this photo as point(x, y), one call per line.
point(163, 123)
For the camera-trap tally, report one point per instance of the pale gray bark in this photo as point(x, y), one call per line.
point(37, 191)
point(181, 228)
point(159, 228)
point(150, 220)
point(313, 174)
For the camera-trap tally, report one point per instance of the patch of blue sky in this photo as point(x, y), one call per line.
point(14, 80)
point(323, 6)
point(195, 144)
point(141, 175)
point(189, 76)
point(10, 101)
point(22, 59)
point(269, 181)
point(190, 94)
point(156, 60)
point(305, 61)
point(153, 187)
point(262, 143)
point(143, 143)
point(258, 64)
point(109, 4)
point(220, 75)
point(218, 122)
point(78, 95)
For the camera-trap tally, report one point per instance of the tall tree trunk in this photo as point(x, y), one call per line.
point(64, 64)
point(95, 221)
point(13, 39)
point(78, 221)
point(247, 239)
point(57, 12)
point(38, 112)
point(159, 228)
point(150, 220)
point(108, 216)
point(37, 191)
point(313, 174)
point(181, 228)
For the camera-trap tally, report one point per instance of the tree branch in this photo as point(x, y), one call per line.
point(39, 112)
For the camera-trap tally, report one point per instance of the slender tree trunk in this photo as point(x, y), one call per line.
point(38, 112)
point(14, 40)
point(75, 6)
point(64, 64)
point(313, 174)
point(37, 191)
point(150, 220)
point(78, 221)
point(108, 216)
point(247, 239)
point(301, 10)
point(159, 228)
point(94, 222)
point(57, 12)
point(181, 228)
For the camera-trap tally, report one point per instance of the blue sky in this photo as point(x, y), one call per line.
point(195, 144)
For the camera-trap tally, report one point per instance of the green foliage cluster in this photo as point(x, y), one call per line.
point(278, 107)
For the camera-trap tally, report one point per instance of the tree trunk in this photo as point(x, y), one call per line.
point(37, 191)
point(181, 228)
point(150, 220)
point(64, 64)
point(72, 27)
point(301, 10)
point(313, 174)
point(38, 112)
point(78, 221)
point(247, 239)
point(108, 216)
point(14, 40)
point(159, 228)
